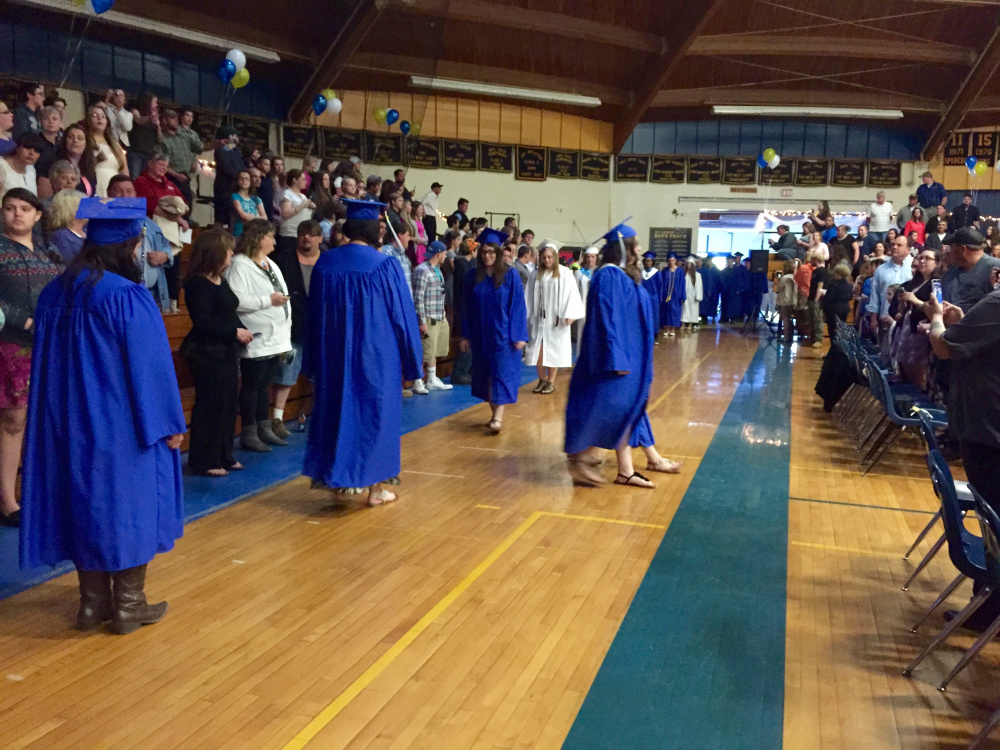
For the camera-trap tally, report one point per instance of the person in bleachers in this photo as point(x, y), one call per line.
point(155, 252)
point(32, 99)
point(18, 169)
point(968, 279)
point(211, 350)
point(66, 230)
point(102, 471)
point(25, 269)
point(913, 349)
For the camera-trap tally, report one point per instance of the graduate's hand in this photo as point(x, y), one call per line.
point(463, 345)
point(174, 441)
point(243, 336)
point(519, 345)
point(622, 372)
point(27, 323)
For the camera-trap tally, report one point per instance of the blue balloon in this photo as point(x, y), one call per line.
point(391, 116)
point(227, 70)
point(102, 6)
point(404, 127)
point(319, 104)
point(971, 162)
point(762, 162)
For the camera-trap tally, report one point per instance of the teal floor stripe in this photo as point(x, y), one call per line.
point(699, 661)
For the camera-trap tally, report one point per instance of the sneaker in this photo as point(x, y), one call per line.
point(174, 309)
point(549, 388)
point(407, 393)
point(538, 388)
point(419, 387)
point(436, 384)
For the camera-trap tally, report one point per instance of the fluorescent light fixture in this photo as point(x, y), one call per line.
point(503, 92)
point(158, 28)
point(850, 112)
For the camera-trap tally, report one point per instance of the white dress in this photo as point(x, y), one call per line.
point(691, 311)
point(551, 301)
point(105, 168)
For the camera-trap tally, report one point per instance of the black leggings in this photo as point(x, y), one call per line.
point(213, 418)
point(982, 467)
point(255, 397)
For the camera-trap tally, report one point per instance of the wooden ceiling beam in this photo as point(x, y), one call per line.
point(406, 66)
point(352, 32)
point(539, 22)
point(706, 97)
point(965, 98)
point(756, 45)
point(688, 21)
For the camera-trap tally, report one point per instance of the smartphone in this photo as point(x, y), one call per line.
point(936, 287)
point(258, 335)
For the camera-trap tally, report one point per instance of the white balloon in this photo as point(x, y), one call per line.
point(333, 106)
point(774, 162)
point(238, 58)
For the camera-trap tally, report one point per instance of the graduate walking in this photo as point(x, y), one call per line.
point(610, 385)
point(711, 284)
point(674, 292)
point(494, 327)
point(554, 302)
point(693, 294)
point(362, 337)
point(102, 465)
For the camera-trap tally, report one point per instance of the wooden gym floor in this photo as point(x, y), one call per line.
point(477, 611)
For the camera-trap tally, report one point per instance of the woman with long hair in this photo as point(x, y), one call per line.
point(246, 205)
point(553, 304)
point(264, 310)
point(25, 269)
point(610, 384)
point(109, 158)
point(278, 181)
point(493, 327)
point(912, 346)
point(321, 193)
point(694, 292)
point(145, 132)
point(917, 224)
point(212, 350)
point(76, 148)
point(102, 476)
point(416, 220)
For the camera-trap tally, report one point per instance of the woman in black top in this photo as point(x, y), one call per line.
point(913, 348)
point(836, 301)
point(211, 350)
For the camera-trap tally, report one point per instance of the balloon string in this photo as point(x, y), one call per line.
point(69, 65)
point(69, 42)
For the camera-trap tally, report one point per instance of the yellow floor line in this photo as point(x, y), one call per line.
point(341, 702)
point(835, 548)
point(680, 380)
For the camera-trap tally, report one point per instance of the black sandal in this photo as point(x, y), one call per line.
point(11, 520)
point(635, 475)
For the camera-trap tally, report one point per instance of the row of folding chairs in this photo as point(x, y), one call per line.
point(874, 409)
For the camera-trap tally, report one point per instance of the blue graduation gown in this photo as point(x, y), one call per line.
point(756, 289)
point(654, 288)
point(741, 274)
point(362, 339)
point(495, 319)
point(711, 282)
point(674, 287)
point(101, 487)
point(618, 334)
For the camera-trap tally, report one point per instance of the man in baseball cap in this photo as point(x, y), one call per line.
point(968, 279)
point(428, 296)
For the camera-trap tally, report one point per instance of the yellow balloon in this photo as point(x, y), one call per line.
point(241, 79)
point(329, 94)
point(414, 128)
point(379, 114)
point(980, 168)
point(769, 154)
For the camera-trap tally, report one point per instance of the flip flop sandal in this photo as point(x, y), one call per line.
point(384, 498)
point(636, 475)
point(667, 467)
point(581, 474)
point(495, 426)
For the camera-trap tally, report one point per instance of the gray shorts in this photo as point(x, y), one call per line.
point(288, 372)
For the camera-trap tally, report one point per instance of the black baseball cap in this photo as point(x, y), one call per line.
point(967, 236)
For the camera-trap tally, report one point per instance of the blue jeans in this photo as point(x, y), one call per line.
point(878, 237)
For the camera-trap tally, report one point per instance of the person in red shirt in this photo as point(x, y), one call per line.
point(153, 184)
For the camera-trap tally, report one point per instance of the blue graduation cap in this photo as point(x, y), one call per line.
point(649, 254)
point(112, 221)
point(363, 210)
point(491, 237)
point(621, 232)
point(671, 256)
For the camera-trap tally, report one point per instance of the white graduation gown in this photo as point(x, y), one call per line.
point(583, 283)
point(691, 311)
point(551, 301)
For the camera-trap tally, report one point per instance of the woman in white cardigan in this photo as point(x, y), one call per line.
point(554, 302)
point(265, 312)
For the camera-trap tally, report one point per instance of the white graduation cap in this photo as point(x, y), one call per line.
point(554, 244)
point(591, 251)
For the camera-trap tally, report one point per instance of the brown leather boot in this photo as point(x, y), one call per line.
point(131, 610)
point(95, 599)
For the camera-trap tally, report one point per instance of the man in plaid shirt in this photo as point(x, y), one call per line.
point(428, 296)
